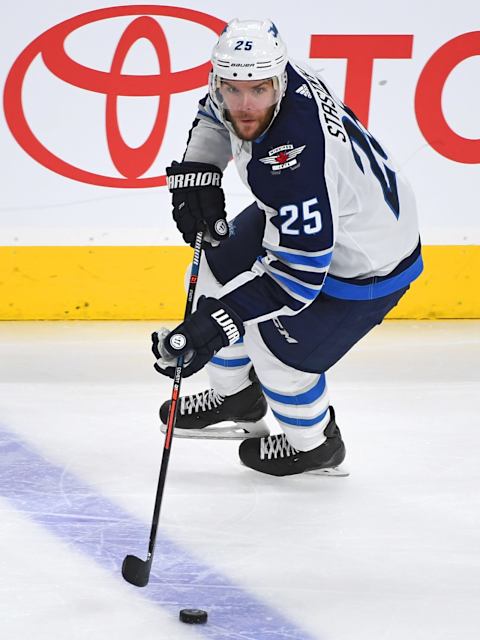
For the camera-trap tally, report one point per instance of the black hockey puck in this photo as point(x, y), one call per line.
point(193, 616)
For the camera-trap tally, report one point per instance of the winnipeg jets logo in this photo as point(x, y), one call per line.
point(283, 157)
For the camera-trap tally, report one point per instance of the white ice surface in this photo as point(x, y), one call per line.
point(390, 553)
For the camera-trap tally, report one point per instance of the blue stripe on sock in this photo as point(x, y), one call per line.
point(300, 422)
point(232, 362)
point(302, 398)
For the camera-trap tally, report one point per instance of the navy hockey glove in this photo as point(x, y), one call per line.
point(212, 326)
point(198, 200)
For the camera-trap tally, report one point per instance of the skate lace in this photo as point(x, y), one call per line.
point(276, 447)
point(203, 401)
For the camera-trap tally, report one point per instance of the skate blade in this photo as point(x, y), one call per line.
point(334, 472)
point(236, 431)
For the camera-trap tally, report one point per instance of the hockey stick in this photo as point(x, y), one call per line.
point(135, 570)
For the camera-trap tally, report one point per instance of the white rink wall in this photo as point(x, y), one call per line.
point(428, 74)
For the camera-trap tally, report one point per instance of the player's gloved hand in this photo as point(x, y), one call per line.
point(198, 200)
point(212, 326)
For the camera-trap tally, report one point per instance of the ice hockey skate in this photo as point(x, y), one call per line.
point(275, 455)
point(202, 415)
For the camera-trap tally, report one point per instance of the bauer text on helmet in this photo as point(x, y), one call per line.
point(248, 78)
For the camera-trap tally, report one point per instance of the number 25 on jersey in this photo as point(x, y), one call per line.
point(308, 220)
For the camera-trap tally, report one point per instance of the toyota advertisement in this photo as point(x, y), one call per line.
point(98, 99)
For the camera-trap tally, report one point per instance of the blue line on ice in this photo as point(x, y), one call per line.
point(89, 522)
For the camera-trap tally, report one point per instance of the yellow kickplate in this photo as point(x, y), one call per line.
point(146, 283)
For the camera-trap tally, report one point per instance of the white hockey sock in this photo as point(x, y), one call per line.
point(302, 412)
point(309, 437)
point(229, 368)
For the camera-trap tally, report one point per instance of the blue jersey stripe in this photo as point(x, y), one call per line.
point(208, 115)
point(299, 289)
point(348, 291)
point(312, 261)
point(309, 278)
point(301, 398)
point(300, 422)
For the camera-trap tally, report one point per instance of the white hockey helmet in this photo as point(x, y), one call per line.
point(249, 50)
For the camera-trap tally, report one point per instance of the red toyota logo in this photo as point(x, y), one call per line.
point(131, 162)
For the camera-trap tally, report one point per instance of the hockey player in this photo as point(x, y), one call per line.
point(326, 250)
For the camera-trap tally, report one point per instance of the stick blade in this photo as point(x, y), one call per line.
point(136, 571)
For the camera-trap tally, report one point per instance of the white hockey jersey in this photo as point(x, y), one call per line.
point(340, 218)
